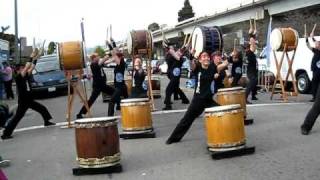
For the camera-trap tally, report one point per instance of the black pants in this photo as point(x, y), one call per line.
point(313, 113)
point(8, 89)
point(172, 87)
point(4, 114)
point(115, 99)
point(195, 109)
point(23, 106)
point(252, 85)
point(94, 95)
point(315, 83)
point(138, 92)
point(236, 79)
point(124, 93)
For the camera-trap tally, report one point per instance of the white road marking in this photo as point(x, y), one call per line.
point(159, 113)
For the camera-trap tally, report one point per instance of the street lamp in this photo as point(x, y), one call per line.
point(16, 40)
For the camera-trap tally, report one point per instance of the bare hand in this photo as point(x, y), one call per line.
point(216, 75)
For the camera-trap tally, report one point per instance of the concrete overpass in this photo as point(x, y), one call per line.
point(260, 10)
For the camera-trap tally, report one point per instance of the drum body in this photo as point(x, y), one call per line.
point(139, 42)
point(155, 85)
point(284, 36)
point(225, 128)
point(71, 55)
point(236, 95)
point(97, 142)
point(207, 39)
point(136, 115)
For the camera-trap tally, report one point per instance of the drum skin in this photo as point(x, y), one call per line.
point(225, 130)
point(207, 39)
point(71, 55)
point(139, 40)
point(136, 116)
point(284, 36)
point(233, 97)
point(97, 144)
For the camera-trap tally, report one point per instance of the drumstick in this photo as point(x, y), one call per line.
point(305, 30)
point(185, 41)
point(110, 31)
point(195, 41)
point(234, 44)
point(255, 26)
point(314, 28)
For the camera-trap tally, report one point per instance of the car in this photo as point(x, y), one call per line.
point(47, 76)
point(163, 67)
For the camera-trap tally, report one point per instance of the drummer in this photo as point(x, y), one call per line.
point(236, 71)
point(138, 91)
point(174, 57)
point(207, 74)
point(99, 81)
point(252, 70)
point(216, 59)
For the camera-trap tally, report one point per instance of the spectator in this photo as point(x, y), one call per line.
point(7, 80)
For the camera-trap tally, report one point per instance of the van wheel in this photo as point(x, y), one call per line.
point(303, 83)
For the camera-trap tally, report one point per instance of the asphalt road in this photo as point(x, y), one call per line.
point(281, 151)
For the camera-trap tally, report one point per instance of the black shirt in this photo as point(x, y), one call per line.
point(23, 87)
point(315, 64)
point(205, 83)
point(252, 63)
point(138, 76)
point(236, 66)
point(174, 66)
point(119, 74)
point(98, 75)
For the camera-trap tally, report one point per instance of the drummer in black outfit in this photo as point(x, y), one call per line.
point(206, 75)
point(99, 81)
point(236, 71)
point(169, 63)
point(252, 70)
point(25, 97)
point(138, 90)
point(175, 73)
point(217, 59)
point(315, 65)
point(119, 84)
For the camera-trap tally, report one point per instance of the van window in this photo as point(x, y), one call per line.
point(47, 66)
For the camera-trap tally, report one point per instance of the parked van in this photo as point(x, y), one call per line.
point(47, 75)
point(301, 64)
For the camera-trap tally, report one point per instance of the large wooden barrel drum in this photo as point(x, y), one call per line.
point(71, 55)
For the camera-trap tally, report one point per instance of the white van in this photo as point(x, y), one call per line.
point(301, 64)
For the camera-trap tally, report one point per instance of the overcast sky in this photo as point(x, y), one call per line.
point(59, 20)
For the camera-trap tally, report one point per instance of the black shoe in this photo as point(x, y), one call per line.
point(80, 116)
point(168, 107)
point(48, 123)
point(304, 131)
point(170, 141)
point(248, 102)
point(254, 98)
point(185, 101)
point(4, 137)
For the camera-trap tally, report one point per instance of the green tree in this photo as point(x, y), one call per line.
point(153, 27)
point(51, 47)
point(100, 51)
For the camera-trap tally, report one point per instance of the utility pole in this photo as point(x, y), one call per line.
point(16, 41)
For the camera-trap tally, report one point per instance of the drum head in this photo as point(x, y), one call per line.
point(197, 41)
point(135, 100)
point(230, 89)
point(297, 36)
point(276, 39)
point(95, 120)
point(129, 43)
point(222, 108)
